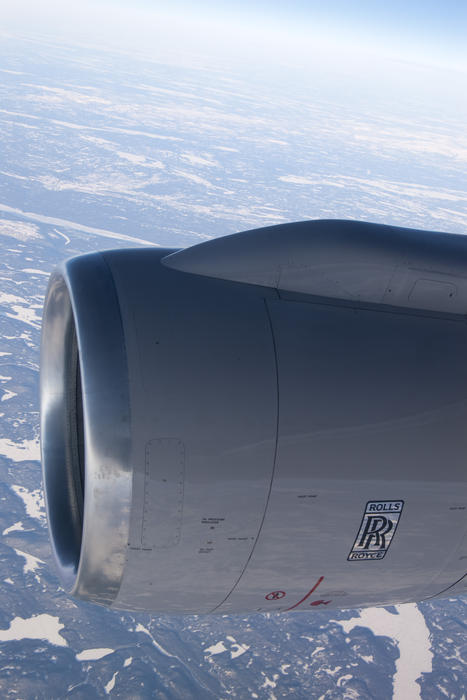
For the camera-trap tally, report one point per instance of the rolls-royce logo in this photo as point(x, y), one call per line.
point(378, 526)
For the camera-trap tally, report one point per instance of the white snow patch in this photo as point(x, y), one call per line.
point(13, 528)
point(141, 628)
point(194, 178)
point(33, 271)
point(346, 677)
point(2, 354)
point(61, 95)
point(6, 298)
point(268, 683)
point(131, 157)
point(409, 630)
point(317, 650)
point(110, 685)
point(32, 563)
point(74, 226)
point(93, 654)
point(115, 130)
point(46, 627)
point(7, 395)
point(283, 669)
point(33, 501)
point(18, 229)
point(128, 662)
point(236, 648)
point(26, 336)
point(332, 671)
point(299, 180)
point(27, 450)
point(226, 148)
point(197, 160)
point(23, 310)
point(25, 314)
point(218, 648)
point(9, 580)
point(62, 235)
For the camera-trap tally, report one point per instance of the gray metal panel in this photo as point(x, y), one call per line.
point(202, 370)
point(350, 260)
point(164, 481)
point(373, 406)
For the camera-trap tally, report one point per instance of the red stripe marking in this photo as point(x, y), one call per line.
point(321, 578)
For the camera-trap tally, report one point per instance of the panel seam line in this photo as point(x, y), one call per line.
point(268, 314)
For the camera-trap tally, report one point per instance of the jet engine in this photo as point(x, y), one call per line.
point(274, 420)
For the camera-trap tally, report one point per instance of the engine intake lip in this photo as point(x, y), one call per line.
point(85, 428)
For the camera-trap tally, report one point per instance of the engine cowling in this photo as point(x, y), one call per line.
point(273, 420)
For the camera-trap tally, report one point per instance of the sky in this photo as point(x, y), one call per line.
point(427, 31)
point(425, 27)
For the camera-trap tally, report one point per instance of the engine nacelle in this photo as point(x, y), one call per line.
point(274, 420)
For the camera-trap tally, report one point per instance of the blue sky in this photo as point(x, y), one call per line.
point(429, 28)
point(428, 31)
point(431, 20)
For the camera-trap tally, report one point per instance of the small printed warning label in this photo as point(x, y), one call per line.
point(378, 526)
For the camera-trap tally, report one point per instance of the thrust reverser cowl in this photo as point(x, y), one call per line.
point(273, 420)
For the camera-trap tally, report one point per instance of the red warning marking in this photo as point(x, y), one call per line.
point(320, 602)
point(275, 595)
point(321, 578)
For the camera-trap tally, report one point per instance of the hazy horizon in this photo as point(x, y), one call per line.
point(425, 33)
